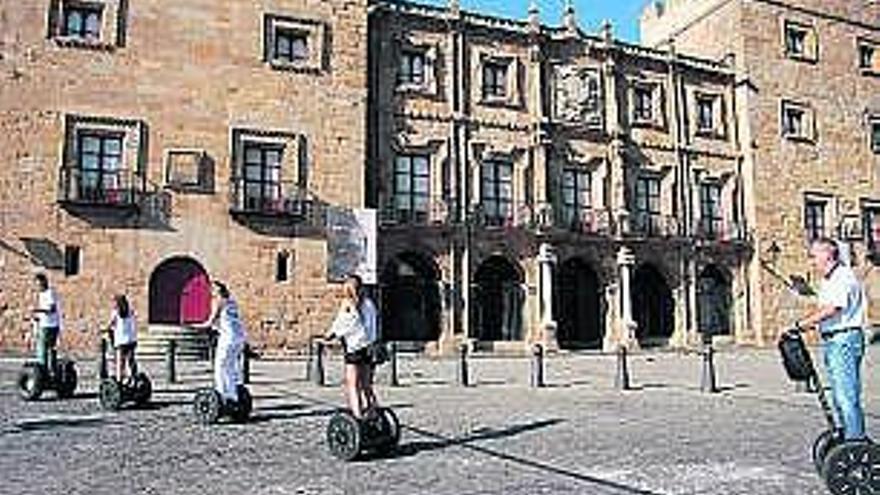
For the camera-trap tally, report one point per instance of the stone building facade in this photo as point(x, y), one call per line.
point(148, 147)
point(542, 185)
point(808, 93)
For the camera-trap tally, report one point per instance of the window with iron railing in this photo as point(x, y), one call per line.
point(497, 192)
point(710, 210)
point(814, 219)
point(412, 191)
point(647, 205)
point(576, 202)
point(262, 176)
point(101, 178)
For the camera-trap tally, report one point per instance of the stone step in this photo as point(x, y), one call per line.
point(190, 344)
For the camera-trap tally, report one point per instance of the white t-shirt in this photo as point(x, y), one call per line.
point(49, 318)
point(124, 331)
point(348, 326)
point(231, 327)
point(842, 289)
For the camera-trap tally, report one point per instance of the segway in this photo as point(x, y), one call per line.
point(378, 432)
point(35, 377)
point(209, 406)
point(848, 467)
point(113, 393)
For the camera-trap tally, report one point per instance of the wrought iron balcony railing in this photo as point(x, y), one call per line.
point(285, 199)
point(122, 188)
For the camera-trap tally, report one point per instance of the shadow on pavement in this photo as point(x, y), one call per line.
point(56, 423)
point(466, 442)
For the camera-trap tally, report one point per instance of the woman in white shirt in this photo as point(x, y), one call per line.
point(123, 334)
point(357, 336)
point(230, 342)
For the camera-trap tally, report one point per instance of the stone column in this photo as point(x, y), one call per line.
point(627, 326)
point(546, 261)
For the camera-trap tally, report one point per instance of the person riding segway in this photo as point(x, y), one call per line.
point(364, 426)
point(228, 396)
point(136, 387)
point(47, 371)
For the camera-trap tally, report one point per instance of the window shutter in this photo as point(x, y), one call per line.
point(430, 68)
point(53, 19)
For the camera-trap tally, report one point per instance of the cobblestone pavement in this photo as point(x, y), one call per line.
point(577, 435)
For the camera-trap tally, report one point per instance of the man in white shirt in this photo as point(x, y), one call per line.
point(48, 315)
point(840, 318)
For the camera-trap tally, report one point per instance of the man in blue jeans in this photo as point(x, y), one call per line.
point(840, 317)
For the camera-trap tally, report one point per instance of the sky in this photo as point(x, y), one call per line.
point(624, 14)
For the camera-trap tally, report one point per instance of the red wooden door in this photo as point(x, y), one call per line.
point(195, 299)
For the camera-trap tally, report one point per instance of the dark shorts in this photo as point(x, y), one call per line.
point(358, 357)
point(127, 347)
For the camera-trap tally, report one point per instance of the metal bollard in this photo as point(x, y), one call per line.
point(246, 364)
point(318, 372)
point(707, 378)
point(102, 358)
point(537, 378)
point(393, 358)
point(463, 366)
point(621, 380)
point(171, 361)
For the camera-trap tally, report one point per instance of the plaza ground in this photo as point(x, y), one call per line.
point(577, 435)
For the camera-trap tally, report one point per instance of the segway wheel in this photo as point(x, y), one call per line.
point(110, 394)
point(242, 409)
point(823, 444)
point(143, 389)
point(853, 468)
point(207, 406)
point(344, 436)
point(31, 381)
point(391, 429)
point(67, 379)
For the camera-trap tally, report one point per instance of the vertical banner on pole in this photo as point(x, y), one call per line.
point(351, 244)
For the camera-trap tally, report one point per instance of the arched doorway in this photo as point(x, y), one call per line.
point(180, 292)
point(410, 299)
point(499, 300)
point(714, 301)
point(653, 306)
point(579, 311)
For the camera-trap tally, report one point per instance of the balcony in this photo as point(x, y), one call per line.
point(101, 190)
point(409, 211)
point(721, 231)
point(652, 225)
point(284, 201)
point(506, 215)
point(586, 221)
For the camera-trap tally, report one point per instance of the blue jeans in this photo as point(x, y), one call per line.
point(46, 339)
point(843, 361)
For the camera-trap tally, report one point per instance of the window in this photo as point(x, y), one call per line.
point(875, 134)
point(262, 176)
point(412, 188)
point(291, 45)
point(710, 210)
point(72, 258)
point(412, 68)
point(575, 197)
point(647, 207)
point(497, 192)
point(800, 41)
point(494, 79)
point(100, 167)
point(81, 21)
point(643, 99)
point(814, 219)
point(797, 121)
point(282, 266)
point(706, 114)
point(795, 40)
point(866, 56)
